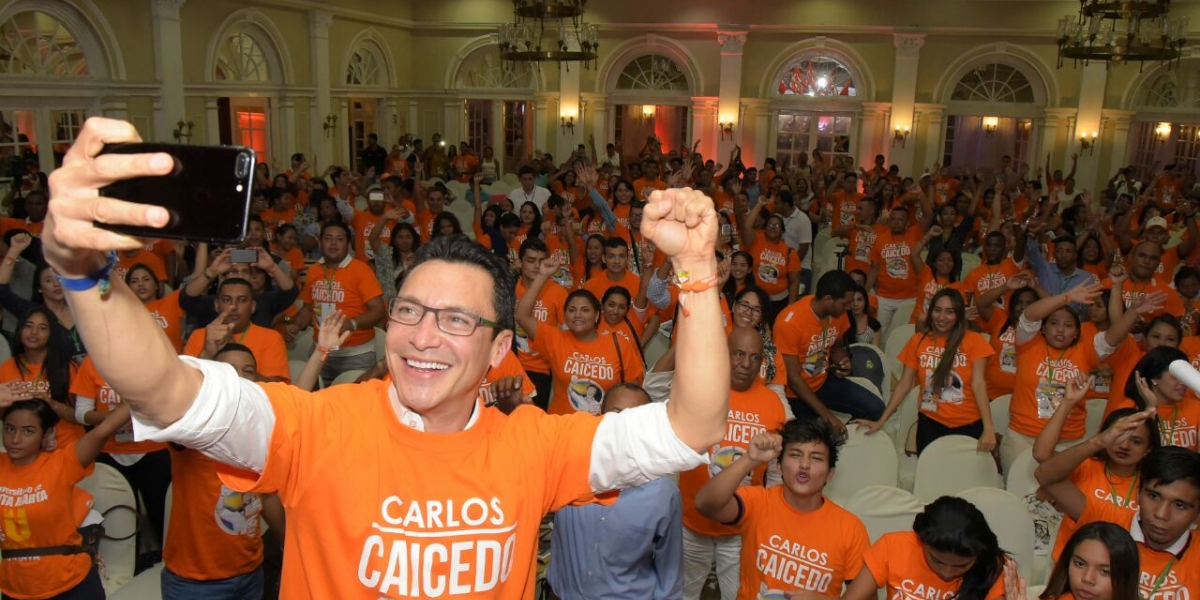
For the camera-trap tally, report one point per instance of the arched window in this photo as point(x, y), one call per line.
point(35, 43)
point(365, 68)
point(484, 70)
point(994, 82)
point(240, 58)
point(1163, 93)
point(816, 75)
point(653, 72)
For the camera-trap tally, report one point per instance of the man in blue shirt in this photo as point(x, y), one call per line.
point(632, 549)
point(1063, 274)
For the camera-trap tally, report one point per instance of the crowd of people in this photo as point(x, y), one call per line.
point(535, 387)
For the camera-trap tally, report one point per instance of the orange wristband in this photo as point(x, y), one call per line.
point(687, 286)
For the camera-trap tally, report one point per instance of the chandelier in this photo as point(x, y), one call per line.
point(549, 30)
point(1116, 31)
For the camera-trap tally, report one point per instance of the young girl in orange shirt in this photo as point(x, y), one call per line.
point(42, 550)
point(41, 366)
point(1100, 562)
point(950, 553)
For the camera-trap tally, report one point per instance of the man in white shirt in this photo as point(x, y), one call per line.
point(529, 190)
point(797, 234)
point(397, 493)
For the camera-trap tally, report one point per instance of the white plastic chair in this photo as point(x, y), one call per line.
point(893, 343)
point(295, 367)
point(865, 460)
point(950, 465)
point(1019, 479)
point(903, 314)
point(302, 347)
point(999, 407)
point(969, 262)
point(1095, 416)
point(347, 377)
point(1009, 520)
point(905, 420)
point(884, 509)
point(146, 586)
point(114, 499)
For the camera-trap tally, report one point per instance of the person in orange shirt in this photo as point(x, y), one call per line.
point(338, 282)
point(1169, 499)
point(281, 212)
point(614, 307)
point(583, 363)
point(1051, 352)
point(287, 245)
point(891, 276)
point(47, 293)
point(777, 269)
point(452, 321)
point(1001, 324)
point(942, 275)
point(1152, 385)
point(36, 204)
point(616, 270)
point(547, 309)
point(753, 409)
point(166, 309)
point(996, 269)
point(1099, 562)
point(43, 552)
point(950, 553)
point(44, 369)
point(951, 361)
point(844, 201)
point(138, 256)
point(235, 304)
point(465, 165)
point(363, 222)
point(1161, 331)
point(1111, 475)
point(649, 181)
point(861, 237)
point(794, 539)
point(146, 465)
point(810, 336)
point(1140, 281)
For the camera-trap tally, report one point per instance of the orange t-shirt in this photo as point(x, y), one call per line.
point(347, 287)
point(88, 383)
point(1002, 366)
point(751, 412)
point(38, 506)
point(897, 561)
point(844, 208)
point(548, 311)
point(214, 530)
point(1130, 291)
point(944, 188)
point(508, 367)
point(642, 188)
point(268, 347)
point(928, 285)
point(1093, 478)
point(1041, 382)
point(150, 259)
point(600, 282)
point(465, 165)
point(631, 327)
point(160, 248)
point(773, 263)
point(465, 523)
point(987, 277)
point(8, 224)
point(956, 405)
point(584, 371)
point(784, 549)
point(799, 333)
point(1177, 422)
point(274, 218)
point(891, 253)
point(170, 316)
point(294, 257)
point(66, 433)
point(1163, 575)
point(364, 221)
point(859, 249)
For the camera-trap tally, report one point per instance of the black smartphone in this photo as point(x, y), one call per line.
point(207, 194)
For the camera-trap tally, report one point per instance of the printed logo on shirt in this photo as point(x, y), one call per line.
point(1116, 500)
point(911, 590)
point(815, 357)
point(158, 318)
point(468, 544)
point(1177, 432)
point(12, 512)
point(769, 262)
point(991, 281)
point(1170, 588)
point(1008, 351)
point(793, 565)
point(584, 393)
point(864, 240)
point(740, 428)
point(895, 259)
point(237, 512)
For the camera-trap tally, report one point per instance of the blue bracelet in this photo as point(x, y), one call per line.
point(100, 277)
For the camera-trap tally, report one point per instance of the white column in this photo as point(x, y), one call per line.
point(570, 107)
point(756, 122)
point(1056, 127)
point(543, 121)
point(1119, 121)
point(904, 98)
point(597, 116)
point(391, 123)
point(497, 141)
point(452, 121)
point(704, 125)
point(927, 136)
point(322, 145)
point(212, 121)
point(168, 67)
point(340, 137)
point(873, 137)
point(287, 134)
point(1091, 107)
point(414, 119)
point(729, 100)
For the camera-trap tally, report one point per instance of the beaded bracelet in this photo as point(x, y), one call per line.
point(687, 286)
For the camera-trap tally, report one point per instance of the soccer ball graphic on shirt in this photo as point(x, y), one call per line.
point(768, 594)
point(237, 512)
point(721, 457)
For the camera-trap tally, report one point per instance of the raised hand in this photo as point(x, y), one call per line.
point(549, 266)
point(765, 447)
point(218, 332)
point(682, 223)
point(19, 243)
point(1077, 389)
point(1084, 293)
point(264, 260)
point(1146, 390)
point(222, 263)
point(1148, 303)
point(507, 395)
point(1124, 428)
point(1014, 586)
point(585, 174)
point(330, 336)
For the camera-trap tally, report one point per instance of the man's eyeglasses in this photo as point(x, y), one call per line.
point(750, 308)
point(449, 320)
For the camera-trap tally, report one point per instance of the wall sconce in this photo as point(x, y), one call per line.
point(183, 131)
point(900, 135)
point(726, 127)
point(1163, 131)
point(648, 111)
point(1087, 142)
point(330, 124)
point(568, 124)
point(990, 125)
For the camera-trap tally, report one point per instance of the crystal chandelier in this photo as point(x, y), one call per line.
point(549, 30)
point(1115, 31)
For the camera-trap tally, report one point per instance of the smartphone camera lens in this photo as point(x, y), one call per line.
point(242, 167)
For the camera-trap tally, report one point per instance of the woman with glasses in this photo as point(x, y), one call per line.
point(584, 364)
